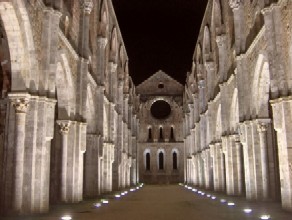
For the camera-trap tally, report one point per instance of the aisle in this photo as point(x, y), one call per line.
point(170, 202)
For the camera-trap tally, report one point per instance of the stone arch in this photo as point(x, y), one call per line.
point(15, 22)
point(105, 121)
point(65, 89)
point(217, 21)
point(261, 88)
point(121, 56)
point(234, 112)
point(103, 20)
point(159, 153)
point(218, 129)
point(175, 150)
point(114, 46)
point(91, 111)
point(146, 151)
point(206, 44)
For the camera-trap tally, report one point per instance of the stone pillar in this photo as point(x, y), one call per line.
point(64, 130)
point(206, 158)
point(101, 44)
point(237, 8)
point(20, 104)
point(221, 41)
point(262, 129)
point(282, 121)
point(239, 166)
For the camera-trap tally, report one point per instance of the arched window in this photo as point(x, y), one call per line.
point(171, 134)
point(174, 160)
point(161, 161)
point(148, 161)
point(160, 133)
point(149, 134)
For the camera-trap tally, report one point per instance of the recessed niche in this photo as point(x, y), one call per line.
point(160, 85)
point(160, 109)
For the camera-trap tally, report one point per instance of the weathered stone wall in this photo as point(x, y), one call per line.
point(65, 88)
point(240, 85)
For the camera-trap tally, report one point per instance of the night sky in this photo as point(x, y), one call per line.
point(159, 34)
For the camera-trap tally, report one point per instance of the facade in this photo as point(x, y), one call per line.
point(237, 104)
point(160, 143)
point(68, 126)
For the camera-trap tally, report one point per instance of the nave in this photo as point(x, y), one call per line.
point(164, 202)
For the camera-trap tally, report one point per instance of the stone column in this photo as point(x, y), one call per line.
point(21, 105)
point(101, 44)
point(64, 130)
point(262, 129)
point(239, 163)
point(221, 41)
point(113, 85)
point(237, 8)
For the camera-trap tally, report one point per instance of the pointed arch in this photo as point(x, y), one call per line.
point(261, 88)
point(206, 44)
point(218, 130)
point(15, 22)
point(114, 46)
point(65, 89)
point(217, 18)
point(234, 112)
point(103, 20)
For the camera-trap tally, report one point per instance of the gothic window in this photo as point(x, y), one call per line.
point(171, 133)
point(174, 160)
point(160, 133)
point(161, 161)
point(149, 134)
point(148, 161)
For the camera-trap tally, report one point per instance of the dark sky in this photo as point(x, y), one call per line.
point(159, 34)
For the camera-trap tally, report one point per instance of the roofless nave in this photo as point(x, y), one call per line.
point(74, 126)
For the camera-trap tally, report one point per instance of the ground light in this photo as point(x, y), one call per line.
point(66, 217)
point(132, 190)
point(97, 205)
point(117, 196)
point(265, 217)
point(231, 204)
point(208, 196)
point(247, 211)
point(104, 201)
point(213, 197)
point(222, 200)
point(122, 194)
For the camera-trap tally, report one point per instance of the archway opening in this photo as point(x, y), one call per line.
point(148, 161)
point(174, 160)
point(161, 161)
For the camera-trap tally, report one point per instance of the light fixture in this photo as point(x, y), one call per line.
point(213, 197)
point(222, 200)
point(132, 190)
point(104, 201)
point(247, 211)
point(202, 193)
point(97, 205)
point(122, 194)
point(117, 196)
point(189, 187)
point(231, 204)
point(137, 187)
point(208, 195)
point(265, 217)
point(199, 192)
point(126, 192)
point(194, 190)
point(66, 217)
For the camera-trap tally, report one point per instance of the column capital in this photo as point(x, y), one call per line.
point(112, 67)
point(64, 126)
point(20, 104)
point(86, 6)
point(221, 40)
point(262, 127)
point(102, 41)
point(235, 4)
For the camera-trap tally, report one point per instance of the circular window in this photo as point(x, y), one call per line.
point(160, 109)
point(160, 85)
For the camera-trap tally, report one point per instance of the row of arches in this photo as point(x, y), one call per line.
point(161, 160)
point(161, 134)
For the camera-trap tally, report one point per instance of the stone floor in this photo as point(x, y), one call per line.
point(172, 202)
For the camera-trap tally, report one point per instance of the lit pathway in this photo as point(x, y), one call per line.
point(165, 203)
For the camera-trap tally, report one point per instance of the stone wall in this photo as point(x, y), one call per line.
point(236, 102)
